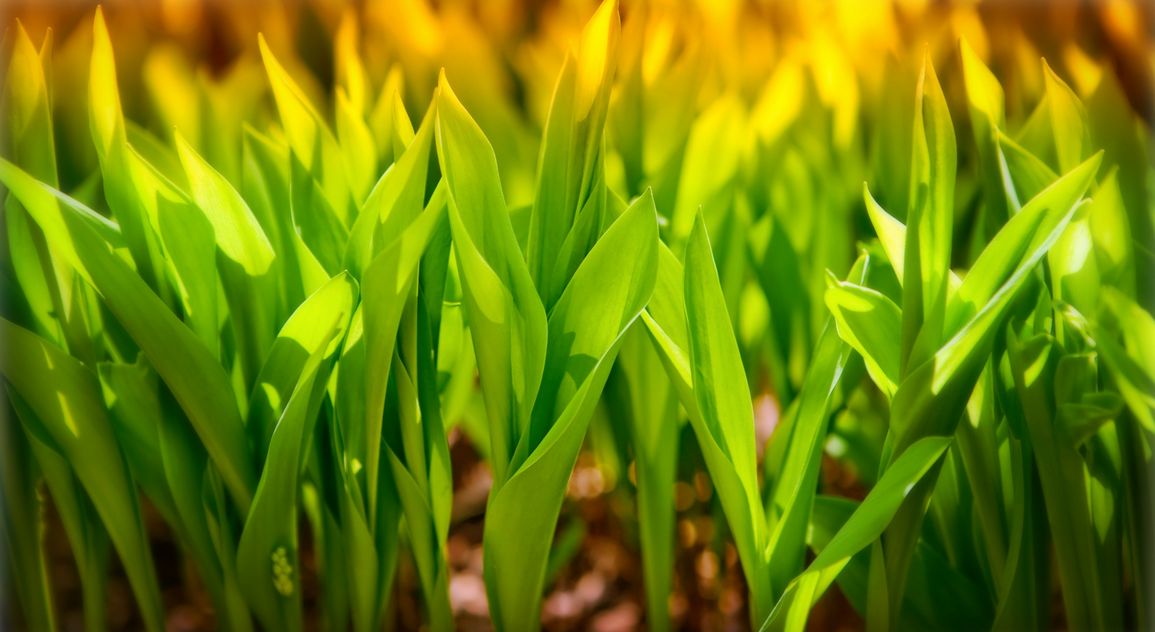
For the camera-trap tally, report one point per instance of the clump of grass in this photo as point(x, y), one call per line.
point(280, 306)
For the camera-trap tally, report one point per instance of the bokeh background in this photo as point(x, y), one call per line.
point(828, 80)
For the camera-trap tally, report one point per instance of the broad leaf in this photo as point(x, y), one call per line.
point(190, 370)
point(987, 106)
point(505, 313)
point(585, 332)
point(238, 234)
point(310, 139)
point(296, 342)
point(572, 145)
point(869, 322)
point(267, 554)
point(388, 281)
point(926, 265)
point(863, 527)
point(59, 399)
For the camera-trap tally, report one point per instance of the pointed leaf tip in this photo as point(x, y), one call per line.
point(238, 234)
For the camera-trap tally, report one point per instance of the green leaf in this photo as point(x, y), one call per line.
point(188, 240)
point(220, 518)
point(47, 281)
point(718, 377)
point(863, 527)
point(1111, 231)
point(86, 533)
point(28, 110)
point(247, 258)
point(780, 275)
point(314, 217)
point(1024, 174)
point(34, 277)
point(892, 235)
point(711, 162)
point(926, 265)
point(1029, 233)
point(1115, 129)
point(153, 150)
point(353, 535)
point(940, 596)
point(575, 332)
point(190, 370)
point(1074, 271)
point(310, 139)
point(979, 449)
point(1081, 421)
point(1037, 135)
point(267, 556)
point(424, 480)
point(57, 393)
point(147, 206)
point(349, 399)
point(392, 129)
point(106, 121)
point(1017, 604)
point(1068, 120)
point(650, 408)
point(1033, 363)
point(505, 314)
point(893, 150)
point(398, 197)
point(829, 515)
point(572, 147)
point(428, 547)
point(130, 394)
point(1026, 236)
point(712, 387)
point(585, 332)
point(105, 116)
point(357, 146)
point(185, 462)
point(388, 281)
point(238, 234)
point(932, 397)
point(878, 614)
point(169, 462)
point(21, 525)
point(797, 480)
point(296, 342)
point(387, 543)
point(944, 382)
point(266, 189)
point(1131, 364)
point(587, 228)
point(987, 106)
point(869, 322)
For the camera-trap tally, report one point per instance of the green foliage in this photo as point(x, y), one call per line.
point(259, 302)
